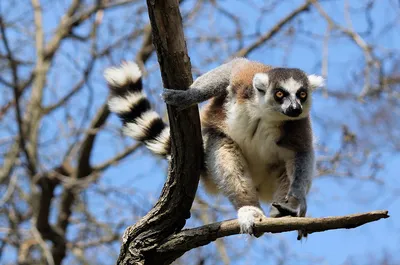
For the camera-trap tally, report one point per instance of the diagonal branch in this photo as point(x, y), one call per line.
point(70, 21)
point(272, 32)
point(103, 166)
point(371, 60)
point(78, 86)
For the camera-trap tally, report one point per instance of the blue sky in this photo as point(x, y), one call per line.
point(144, 173)
point(329, 196)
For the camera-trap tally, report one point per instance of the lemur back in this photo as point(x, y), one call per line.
point(256, 130)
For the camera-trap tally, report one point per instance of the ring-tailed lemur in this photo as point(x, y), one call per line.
point(257, 132)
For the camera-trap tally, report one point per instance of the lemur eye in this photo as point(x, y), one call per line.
point(303, 94)
point(279, 94)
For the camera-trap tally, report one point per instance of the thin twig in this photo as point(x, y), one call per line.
point(10, 190)
point(47, 253)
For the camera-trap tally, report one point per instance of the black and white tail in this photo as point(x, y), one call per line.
point(131, 105)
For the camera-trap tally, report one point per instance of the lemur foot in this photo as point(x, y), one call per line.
point(247, 215)
point(295, 206)
point(177, 98)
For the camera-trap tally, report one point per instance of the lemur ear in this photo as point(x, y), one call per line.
point(316, 81)
point(260, 80)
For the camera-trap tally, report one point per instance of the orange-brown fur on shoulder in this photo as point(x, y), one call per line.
point(242, 79)
point(241, 83)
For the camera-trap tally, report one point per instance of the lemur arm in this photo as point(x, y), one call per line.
point(297, 137)
point(300, 171)
point(211, 84)
point(303, 169)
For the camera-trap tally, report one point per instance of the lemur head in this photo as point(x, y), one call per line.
point(286, 91)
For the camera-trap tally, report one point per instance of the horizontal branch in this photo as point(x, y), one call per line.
point(191, 238)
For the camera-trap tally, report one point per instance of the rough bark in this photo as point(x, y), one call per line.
point(169, 214)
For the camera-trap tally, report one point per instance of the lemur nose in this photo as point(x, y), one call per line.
point(294, 110)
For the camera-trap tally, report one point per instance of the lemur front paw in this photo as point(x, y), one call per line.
point(247, 215)
point(295, 206)
point(282, 209)
point(178, 98)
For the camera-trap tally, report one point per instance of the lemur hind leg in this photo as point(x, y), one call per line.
point(228, 168)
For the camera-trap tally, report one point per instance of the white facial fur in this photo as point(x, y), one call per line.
point(291, 85)
point(270, 107)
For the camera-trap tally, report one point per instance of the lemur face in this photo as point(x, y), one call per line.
point(286, 91)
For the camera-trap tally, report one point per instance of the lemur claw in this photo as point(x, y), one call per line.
point(283, 210)
point(300, 202)
point(301, 234)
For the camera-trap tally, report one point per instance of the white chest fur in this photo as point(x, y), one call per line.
point(256, 135)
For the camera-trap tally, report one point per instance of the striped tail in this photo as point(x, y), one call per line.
point(129, 102)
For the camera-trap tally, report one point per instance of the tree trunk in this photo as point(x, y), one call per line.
point(169, 214)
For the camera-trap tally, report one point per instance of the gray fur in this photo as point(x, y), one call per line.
point(254, 148)
point(211, 84)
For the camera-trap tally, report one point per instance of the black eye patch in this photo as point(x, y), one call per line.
point(302, 94)
point(279, 94)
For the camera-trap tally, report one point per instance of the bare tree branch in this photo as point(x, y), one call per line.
point(116, 159)
point(272, 32)
point(78, 86)
point(200, 236)
point(359, 41)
